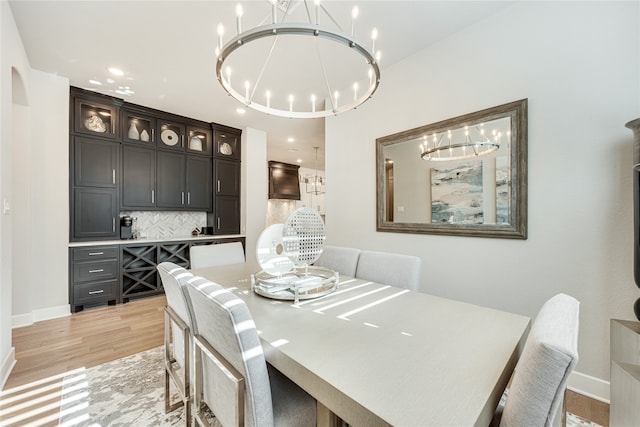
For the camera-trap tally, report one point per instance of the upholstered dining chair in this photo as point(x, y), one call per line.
point(217, 254)
point(392, 269)
point(232, 377)
point(178, 321)
point(340, 259)
point(538, 385)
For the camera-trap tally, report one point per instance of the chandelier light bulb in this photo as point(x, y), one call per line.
point(290, 103)
point(217, 51)
point(374, 37)
point(229, 76)
point(274, 11)
point(247, 85)
point(378, 56)
point(355, 91)
point(354, 16)
point(239, 18)
point(317, 3)
point(336, 95)
point(220, 34)
point(313, 103)
point(268, 95)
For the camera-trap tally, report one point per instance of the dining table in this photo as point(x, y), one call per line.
point(377, 355)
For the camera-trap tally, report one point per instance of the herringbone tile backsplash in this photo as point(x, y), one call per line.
point(162, 225)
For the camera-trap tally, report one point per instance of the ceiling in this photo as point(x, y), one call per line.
point(166, 49)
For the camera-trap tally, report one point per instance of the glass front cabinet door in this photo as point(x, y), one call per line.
point(198, 140)
point(171, 135)
point(138, 128)
point(95, 118)
point(227, 144)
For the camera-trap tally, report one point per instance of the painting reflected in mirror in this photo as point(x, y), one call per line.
point(462, 176)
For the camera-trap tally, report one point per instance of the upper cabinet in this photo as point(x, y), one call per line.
point(198, 140)
point(170, 134)
point(227, 143)
point(95, 117)
point(138, 127)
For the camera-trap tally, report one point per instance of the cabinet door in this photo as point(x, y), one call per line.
point(227, 178)
point(138, 177)
point(227, 215)
point(170, 135)
point(198, 140)
point(199, 195)
point(227, 144)
point(95, 118)
point(95, 212)
point(170, 180)
point(95, 162)
point(138, 128)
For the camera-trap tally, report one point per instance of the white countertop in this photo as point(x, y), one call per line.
point(151, 240)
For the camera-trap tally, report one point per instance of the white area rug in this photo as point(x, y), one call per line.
point(129, 392)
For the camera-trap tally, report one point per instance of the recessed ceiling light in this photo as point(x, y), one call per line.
point(290, 139)
point(95, 82)
point(110, 81)
point(240, 110)
point(299, 160)
point(116, 71)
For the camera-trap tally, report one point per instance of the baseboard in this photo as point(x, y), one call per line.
point(22, 320)
point(51, 313)
point(589, 386)
point(7, 365)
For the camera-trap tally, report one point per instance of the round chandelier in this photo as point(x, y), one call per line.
point(263, 90)
point(443, 146)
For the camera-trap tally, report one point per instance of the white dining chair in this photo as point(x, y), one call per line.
point(392, 269)
point(536, 394)
point(340, 259)
point(202, 256)
point(178, 321)
point(232, 377)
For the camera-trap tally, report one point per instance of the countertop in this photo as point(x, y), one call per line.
point(151, 240)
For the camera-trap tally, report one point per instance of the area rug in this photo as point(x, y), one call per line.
point(124, 392)
point(130, 392)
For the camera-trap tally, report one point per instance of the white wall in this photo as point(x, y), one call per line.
point(254, 188)
point(578, 64)
point(14, 89)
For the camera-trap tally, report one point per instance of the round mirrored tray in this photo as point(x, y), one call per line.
point(300, 283)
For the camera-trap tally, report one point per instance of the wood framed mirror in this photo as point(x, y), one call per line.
point(464, 176)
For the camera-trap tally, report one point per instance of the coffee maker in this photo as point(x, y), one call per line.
point(126, 227)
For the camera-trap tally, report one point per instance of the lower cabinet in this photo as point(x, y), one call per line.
point(118, 273)
point(94, 276)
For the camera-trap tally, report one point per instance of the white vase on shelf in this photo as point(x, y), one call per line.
point(144, 135)
point(133, 132)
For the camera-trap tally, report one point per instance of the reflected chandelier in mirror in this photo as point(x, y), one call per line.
point(463, 176)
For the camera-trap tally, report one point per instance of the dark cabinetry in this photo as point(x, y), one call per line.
point(138, 177)
point(95, 115)
point(138, 127)
point(225, 218)
point(94, 275)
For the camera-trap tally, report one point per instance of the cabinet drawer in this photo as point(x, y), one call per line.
point(95, 292)
point(95, 253)
point(91, 271)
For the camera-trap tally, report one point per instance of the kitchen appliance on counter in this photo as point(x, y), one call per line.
point(126, 228)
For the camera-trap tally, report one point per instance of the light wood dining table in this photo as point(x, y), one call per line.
point(377, 355)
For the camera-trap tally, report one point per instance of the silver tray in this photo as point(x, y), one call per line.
point(301, 283)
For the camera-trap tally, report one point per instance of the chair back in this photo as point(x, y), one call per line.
point(226, 326)
point(548, 358)
point(398, 270)
point(217, 254)
point(342, 260)
point(174, 279)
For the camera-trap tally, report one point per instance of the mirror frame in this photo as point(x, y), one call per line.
point(517, 229)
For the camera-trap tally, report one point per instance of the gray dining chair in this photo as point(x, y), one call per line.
point(178, 321)
point(340, 259)
point(538, 385)
point(202, 256)
point(392, 269)
point(232, 377)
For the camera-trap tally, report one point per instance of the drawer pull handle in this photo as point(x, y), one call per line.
point(95, 253)
point(96, 292)
point(96, 271)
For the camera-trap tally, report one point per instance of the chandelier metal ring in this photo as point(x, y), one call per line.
point(476, 149)
point(274, 30)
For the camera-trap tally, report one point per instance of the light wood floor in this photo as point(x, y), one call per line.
point(46, 350)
